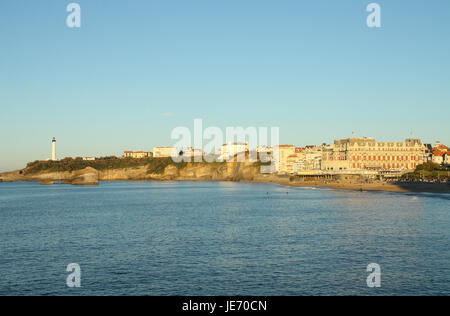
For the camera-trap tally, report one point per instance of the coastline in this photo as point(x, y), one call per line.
point(440, 188)
point(233, 172)
point(383, 187)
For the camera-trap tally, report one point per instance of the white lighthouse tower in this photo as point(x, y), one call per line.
point(54, 149)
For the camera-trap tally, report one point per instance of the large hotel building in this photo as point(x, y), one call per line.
point(368, 154)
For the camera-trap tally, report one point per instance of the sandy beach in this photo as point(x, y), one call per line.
point(244, 174)
point(387, 187)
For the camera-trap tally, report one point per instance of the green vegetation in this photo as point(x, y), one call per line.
point(154, 165)
point(105, 163)
point(428, 171)
point(158, 165)
point(431, 166)
point(259, 163)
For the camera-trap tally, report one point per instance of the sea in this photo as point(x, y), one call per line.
point(221, 238)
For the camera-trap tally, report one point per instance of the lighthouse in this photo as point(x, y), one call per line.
point(54, 149)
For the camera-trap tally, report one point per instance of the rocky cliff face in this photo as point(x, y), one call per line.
point(88, 176)
point(209, 172)
point(233, 171)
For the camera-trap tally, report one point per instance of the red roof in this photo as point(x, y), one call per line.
point(441, 147)
point(285, 146)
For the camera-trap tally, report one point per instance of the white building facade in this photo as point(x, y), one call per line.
point(162, 152)
point(228, 151)
point(447, 159)
point(368, 154)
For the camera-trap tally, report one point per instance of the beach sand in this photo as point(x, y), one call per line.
point(387, 187)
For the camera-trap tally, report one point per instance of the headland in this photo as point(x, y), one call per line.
point(79, 172)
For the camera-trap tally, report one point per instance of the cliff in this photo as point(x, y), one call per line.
point(87, 176)
point(233, 171)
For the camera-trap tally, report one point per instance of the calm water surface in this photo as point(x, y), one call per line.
point(144, 238)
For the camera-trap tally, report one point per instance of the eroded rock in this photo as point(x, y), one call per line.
point(87, 176)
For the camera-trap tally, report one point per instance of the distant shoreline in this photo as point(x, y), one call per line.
point(441, 188)
point(230, 172)
point(384, 187)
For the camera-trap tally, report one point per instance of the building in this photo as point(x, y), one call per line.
point(438, 158)
point(305, 159)
point(280, 157)
point(293, 160)
point(440, 146)
point(137, 154)
point(191, 154)
point(161, 152)
point(427, 153)
point(358, 154)
point(264, 153)
point(295, 163)
point(264, 149)
point(312, 158)
point(54, 149)
point(447, 159)
point(228, 151)
point(89, 158)
point(439, 153)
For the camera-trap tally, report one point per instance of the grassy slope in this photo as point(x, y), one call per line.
point(428, 171)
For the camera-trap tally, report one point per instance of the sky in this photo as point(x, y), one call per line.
point(137, 69)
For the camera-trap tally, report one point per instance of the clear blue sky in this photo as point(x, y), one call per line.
point(137, 69)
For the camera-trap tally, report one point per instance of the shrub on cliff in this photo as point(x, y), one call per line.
point(428, 171)
point(158, 165)
point(154, 165)
point(69, 164)
point(431, 166)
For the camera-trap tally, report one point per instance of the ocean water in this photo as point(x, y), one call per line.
point(220, 238)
